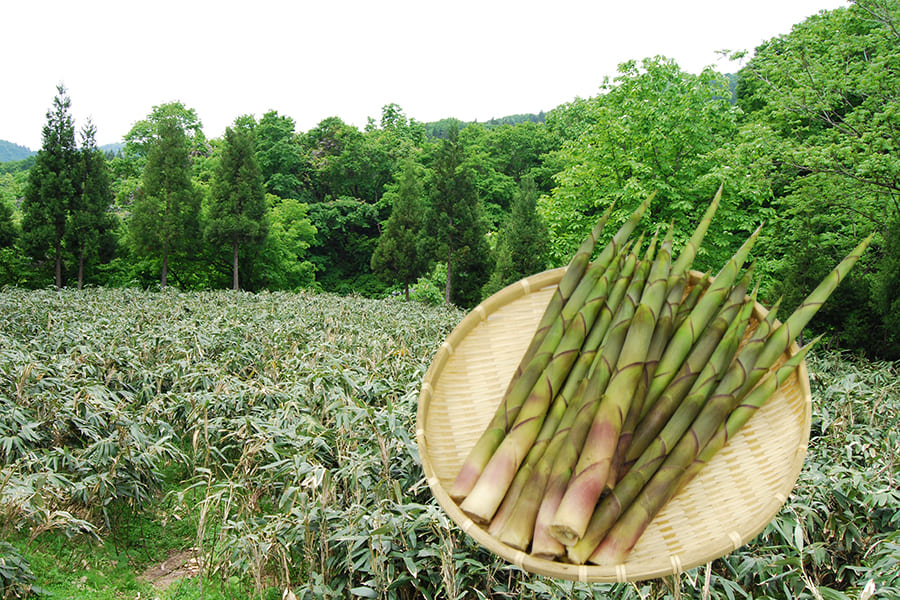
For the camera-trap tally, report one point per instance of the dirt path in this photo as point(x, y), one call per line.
point(181, 564)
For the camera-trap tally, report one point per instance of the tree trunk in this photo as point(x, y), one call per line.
point(163, 280)
point(81, 267)
point(449, 263)
point(59, 263)
point(235, 264)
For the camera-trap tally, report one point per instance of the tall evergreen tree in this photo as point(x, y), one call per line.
point(53, 186)
point(522, 241)
point(237, 206)
point(396, 256)
point(8, 232)
point(8, 237)
point(455, 226)
point(89, 217)
point(166, 211)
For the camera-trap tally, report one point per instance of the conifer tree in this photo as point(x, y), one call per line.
point(8, 232)
point(166, 210)
point(89, 217)
point(455, 226)
point(397, 257)
point(522, 241)
point(237, 205)
point(53, 186)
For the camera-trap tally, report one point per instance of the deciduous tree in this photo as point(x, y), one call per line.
point(279, 156)
point(819, 143)
point(652, 129)
point(284, 264)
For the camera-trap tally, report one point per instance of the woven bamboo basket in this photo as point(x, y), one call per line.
point(728, 504)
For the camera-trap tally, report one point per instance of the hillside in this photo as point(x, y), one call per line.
point(439, 129)
point(11, 152)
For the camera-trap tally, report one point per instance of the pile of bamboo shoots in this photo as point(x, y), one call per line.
point(636, 376)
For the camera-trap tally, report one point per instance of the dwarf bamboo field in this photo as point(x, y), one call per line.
point(273, 434)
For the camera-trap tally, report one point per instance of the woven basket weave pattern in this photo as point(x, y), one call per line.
point(726, 505)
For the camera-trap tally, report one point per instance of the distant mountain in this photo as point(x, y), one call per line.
point(440, 129)
point(14, 157)
point(112, 149)
point(10, 152)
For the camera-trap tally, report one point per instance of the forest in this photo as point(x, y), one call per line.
point(803, 138)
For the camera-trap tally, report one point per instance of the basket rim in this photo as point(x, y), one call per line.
point(712, 548)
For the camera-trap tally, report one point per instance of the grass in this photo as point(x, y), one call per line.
point(275, 433)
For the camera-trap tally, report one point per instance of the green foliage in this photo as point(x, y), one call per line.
point(454, 224)
point(53, 187)
point(16, 577)
point(887, 290)
point(517, 150)
point(500, 157)
point(144, 134)
point(522, 242)
point(441, 129)
point(346, 234)
point(278, 154)
point(403, 135)
point(820, 126)
point(91, 225)
point(282, 261)
point(430, 287)
point(338, 164)
point(165, 219)
point(396, 257)
point(652, 129)
point(236, 212)
point(8, 230)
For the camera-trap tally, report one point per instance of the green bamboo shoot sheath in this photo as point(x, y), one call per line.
point(493, 483)
point(690, 330)
point(659, 414)
point(621, 272)
point(592, 472)
point(628, 488)
point(523, 381)
point(677, 471)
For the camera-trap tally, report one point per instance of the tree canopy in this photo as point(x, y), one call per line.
point(819, 144)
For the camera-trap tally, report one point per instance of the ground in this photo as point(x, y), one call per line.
point(184, 563)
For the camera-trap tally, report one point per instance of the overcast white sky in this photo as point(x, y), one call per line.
point(469, 59)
